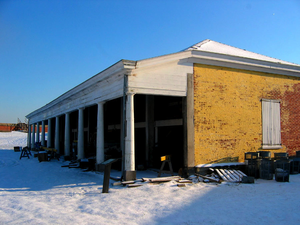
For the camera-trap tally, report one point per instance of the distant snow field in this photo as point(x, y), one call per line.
point(46, 193)
point(10, 139)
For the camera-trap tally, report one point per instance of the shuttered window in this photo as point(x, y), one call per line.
point(271, 131)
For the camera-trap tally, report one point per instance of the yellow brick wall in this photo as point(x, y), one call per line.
point(227, 110)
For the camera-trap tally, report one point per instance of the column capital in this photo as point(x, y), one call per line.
point(101, 103)
point(130, 93)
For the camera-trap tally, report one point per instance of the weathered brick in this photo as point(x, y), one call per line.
point(228, 111)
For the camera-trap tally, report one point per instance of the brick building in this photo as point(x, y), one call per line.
point(8, 127)
point(200, 105)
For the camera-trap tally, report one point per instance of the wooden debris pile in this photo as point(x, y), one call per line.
point(216, 176)
point(137, 183)
point(219, 175)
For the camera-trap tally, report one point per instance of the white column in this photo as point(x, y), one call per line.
point(33, 136)
point(80, 147)
point(29, 136)
point(67, 134)
point(43, 133)
point(57, 134)
point(129, 139)
point(100, 133)
point(49, 137)
point(37, 138)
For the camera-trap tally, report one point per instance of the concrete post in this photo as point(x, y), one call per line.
point(129, 173)
point(49, 138)
point(80, 147)
point(43, 133)
point(57, 134)
point(67, 134)
point(100, 133)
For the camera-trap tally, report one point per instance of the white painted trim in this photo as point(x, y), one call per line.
point(271, 147)
point(235, 62)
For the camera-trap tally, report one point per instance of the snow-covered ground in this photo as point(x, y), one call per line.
point(46, 193)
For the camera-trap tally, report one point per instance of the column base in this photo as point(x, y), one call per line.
point(129, 175)
point(188, 171)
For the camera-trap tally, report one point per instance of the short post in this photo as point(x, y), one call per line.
point(107, 169)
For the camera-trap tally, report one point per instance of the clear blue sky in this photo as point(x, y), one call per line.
point(49, 46)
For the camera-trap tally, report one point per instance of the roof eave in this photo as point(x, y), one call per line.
point(210, 58)
point(122, 65)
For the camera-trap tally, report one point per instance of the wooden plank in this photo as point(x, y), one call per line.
point(181, 185)
point(232, 176)
point(185, 181)
point(241, 173)
point(161, 180)
point(134, 185)
point(115, 178)
point(117, 183)
point(226, 175)
point(237, 174)
point(221, 175)
point(164, 179)
point(208, 178)
point(144, 179)
point(128, 182)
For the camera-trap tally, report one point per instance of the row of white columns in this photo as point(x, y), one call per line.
point(129, 163)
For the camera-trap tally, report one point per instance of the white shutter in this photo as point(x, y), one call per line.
point(271, 130)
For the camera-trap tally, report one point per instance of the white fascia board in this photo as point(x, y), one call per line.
point(122, 67)
point(162, 59)
point(216, 59)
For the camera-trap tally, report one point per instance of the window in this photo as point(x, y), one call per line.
point(271, 131)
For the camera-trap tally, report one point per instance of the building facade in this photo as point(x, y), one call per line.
point(208, 102)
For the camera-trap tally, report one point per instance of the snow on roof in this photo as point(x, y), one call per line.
point(216, 47)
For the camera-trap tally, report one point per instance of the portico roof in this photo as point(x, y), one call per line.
point(216, 47)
